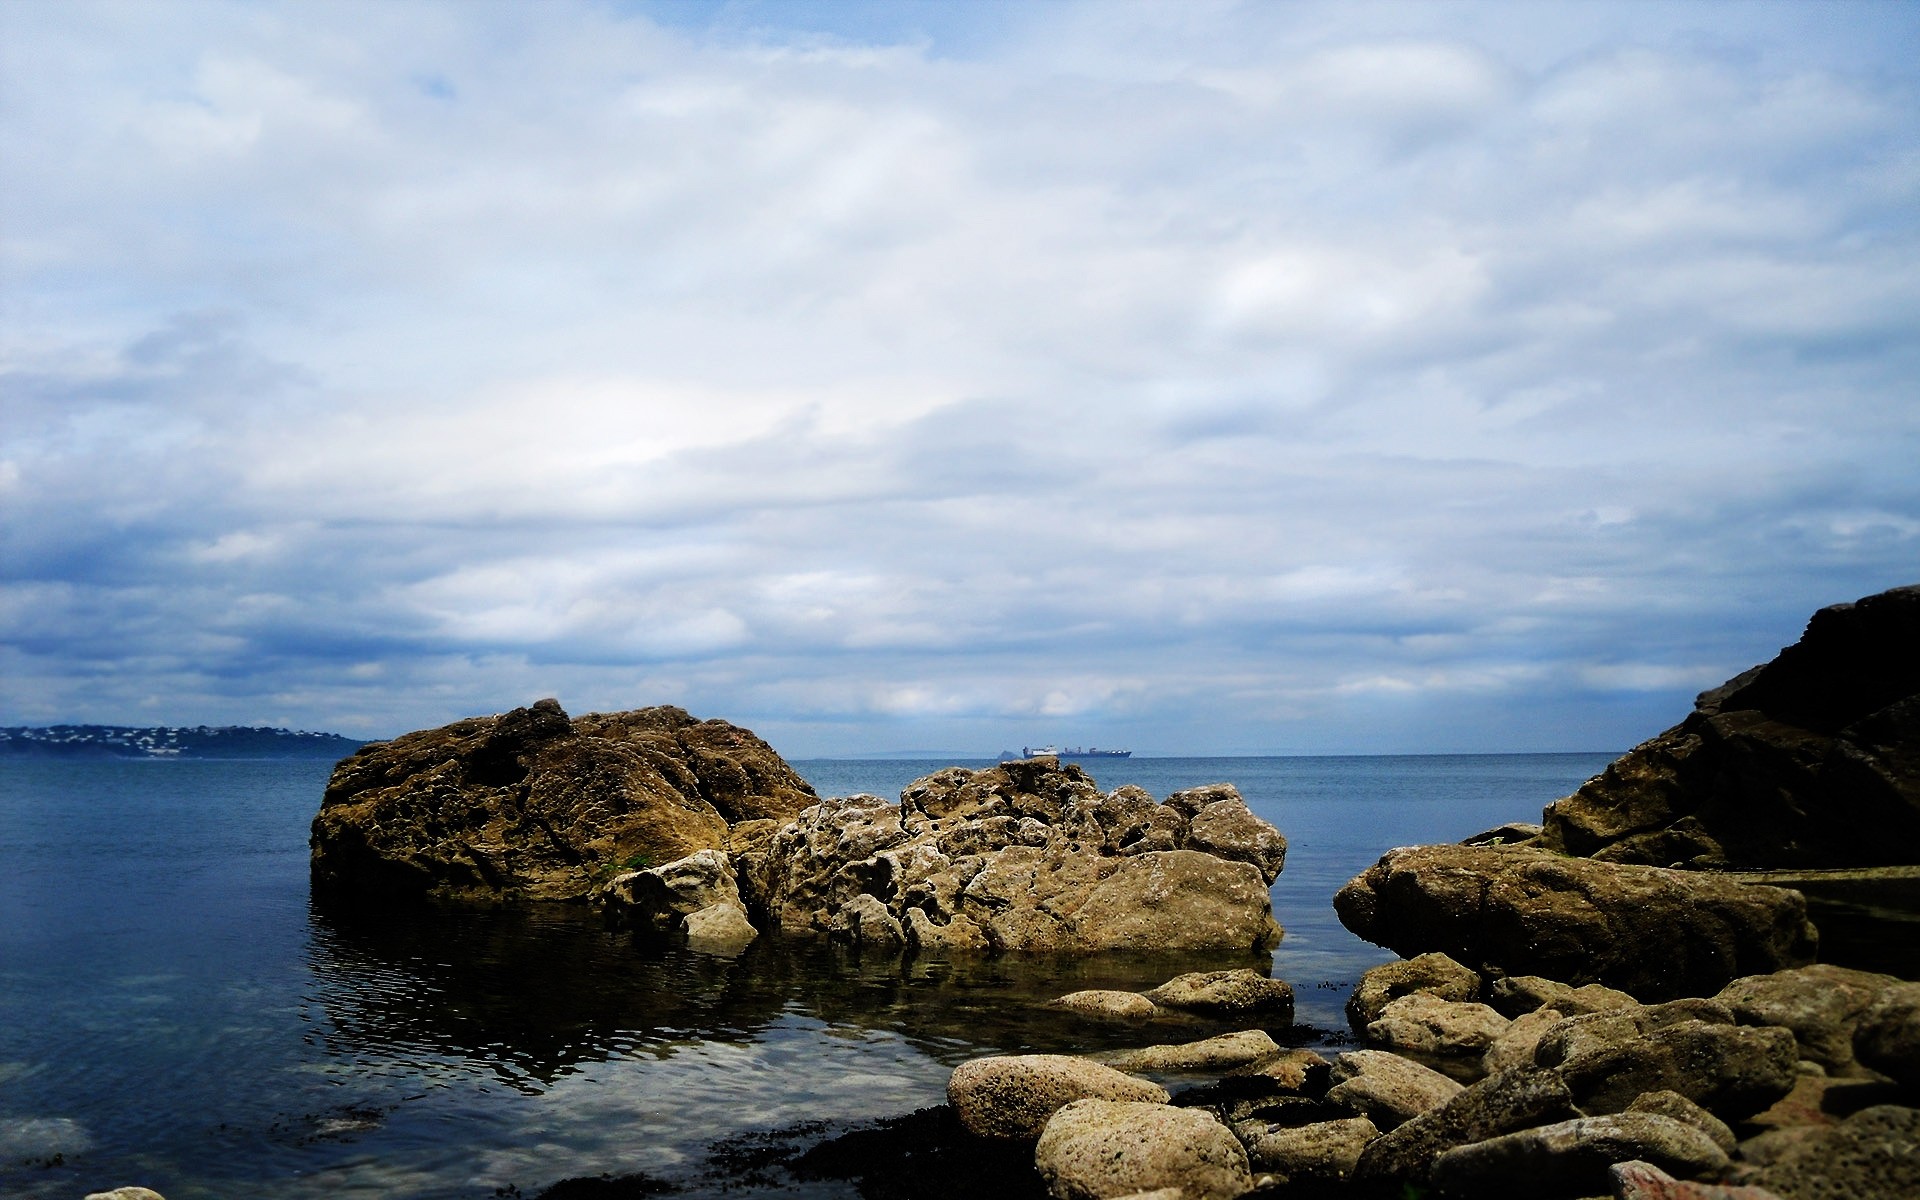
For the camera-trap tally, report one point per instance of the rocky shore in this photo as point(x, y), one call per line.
point(1593, 1006)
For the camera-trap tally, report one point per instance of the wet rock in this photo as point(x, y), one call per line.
point(1874, 1152)
point(1387, 1088)
point(533, 804)
point(1425, 1024)
point(1812, 760)
point(1233, 994)
point(865, 921)
point(1651, 932)
point(721, 928)
point(1107, 1005)
point(1432, 973)
point(1012, 1096)
point(1643, 1181)
point(1517, 1043)
point(1608, 1059)
point(1294, 1070)
point(1572, 1158)
point(1096, 1149)
point(1024, 857)
point(1223, 1053)
point(1496, 1105)
point(699, 890)
point(1887, 1038)
point(1821, 1004)
point(1517, 994)
point(1323, 1152)
point(1673, 1104)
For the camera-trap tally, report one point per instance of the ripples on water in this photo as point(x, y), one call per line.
point(174, 1012)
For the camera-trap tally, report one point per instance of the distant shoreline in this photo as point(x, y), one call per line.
point(169, 743)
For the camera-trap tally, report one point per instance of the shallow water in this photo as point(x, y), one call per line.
point(174, 1012)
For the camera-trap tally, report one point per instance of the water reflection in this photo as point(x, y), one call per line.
point(529, 996)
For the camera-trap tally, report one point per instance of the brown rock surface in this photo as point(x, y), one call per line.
point(534, 804)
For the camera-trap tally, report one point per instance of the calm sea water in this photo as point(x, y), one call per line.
point(174, 1011)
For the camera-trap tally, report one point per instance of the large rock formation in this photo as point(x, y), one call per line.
point(538, 805)
point(1027, 856)
point(1812, 760)
point(1653, 932)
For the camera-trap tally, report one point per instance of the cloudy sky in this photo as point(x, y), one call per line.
point(1201, 377)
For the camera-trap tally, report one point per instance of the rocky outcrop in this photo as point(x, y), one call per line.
point(534, 804)
point(1812, 760)
point(1648, 931)
point(1028, 856)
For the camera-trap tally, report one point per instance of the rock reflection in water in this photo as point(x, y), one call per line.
point(529, 996)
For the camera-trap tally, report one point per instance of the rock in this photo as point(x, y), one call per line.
point(1608, 1059)
point(664, 897)
point(1643, 1181)
point(1425, 1024)
point(1516, 1044)
point(1293, 1070)
point(1572, 1158)
point(865, 921)
point(1028, 856)
point(1821, 1004)
point(533, 804)
point(1094, 1149)
point(1107, 1005)
point(1387, 1088)
point(1323, 1152)
point(126, 1193)
point(1654, 933)
point(1433, 973)
point(1236, 993)
point(1887, 1038)
point(1498, 1104)
point(1875, 1152)
point(1517, 994)
point(1223, 1053)
point(721, 928)
point(1226, 828)
point(1673, 1104)
point(1812, 760)
point(1012, 1096)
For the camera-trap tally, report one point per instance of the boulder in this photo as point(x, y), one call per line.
point(1027, 856)
point(1821, 1004)
point(1295, 1070)
point(126, 1193)
point(1811, 760)
point(1875, 1152)
point(1013, 1096)
point(1433, 973)
point(1322, 1152)
point(533, 804)
point(1609, 1059)
point(719, 929)
point(1386, 1088)
point(1427, 1025)
point(1097, 1149)
point(1572, 1158)
point(1517, 1043)
point(1643, 1181)
point(1498, 1104)
point(1105, 1004)
point(1887, 1038)
point(1514, 909)
point(1517, 994)
point(664, 897)
point(1673, 1104)
point(1230, 994)
point(1215, 1054)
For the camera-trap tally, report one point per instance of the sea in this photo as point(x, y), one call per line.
point(176, 1012)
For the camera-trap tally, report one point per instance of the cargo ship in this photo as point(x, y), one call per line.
point(1072, 752)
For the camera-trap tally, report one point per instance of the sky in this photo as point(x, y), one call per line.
point(1198, 377)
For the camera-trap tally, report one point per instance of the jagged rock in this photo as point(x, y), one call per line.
point(1387, 1088)
point(1223, 1053)
point(1887, 1038)
point(1821, 1004)
point(1654, 933)
point(1433, 973)
point(1028, 856)
point(1643, 1181)
point(1013, 1096)
point(1424, 1024)
point(864, 921)
point(534, 804)
point(1236, 993)
point(1105, 1004)
point(1673, 1104)
point(1810, 760)
point(1608, 1059)
point(1517, 1042)
point(1096, 1149)
point(1572, 1158)
point(1498, 1104)
point(1875, 1152)
point(1322, 1152)
point(663, 897)
point(1517, 994)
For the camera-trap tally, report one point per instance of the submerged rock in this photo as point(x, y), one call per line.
point(1652, 932)
point(534, 804)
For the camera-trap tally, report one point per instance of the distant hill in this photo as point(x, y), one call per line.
point(164, 741)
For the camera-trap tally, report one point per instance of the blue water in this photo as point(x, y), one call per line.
point(175, 1013)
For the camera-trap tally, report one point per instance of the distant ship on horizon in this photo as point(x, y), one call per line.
point(1072, 752)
